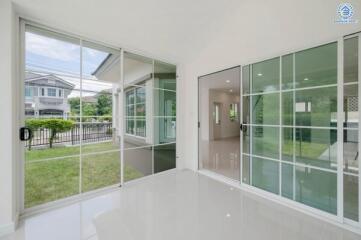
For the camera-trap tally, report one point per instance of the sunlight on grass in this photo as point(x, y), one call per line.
point(50, 180)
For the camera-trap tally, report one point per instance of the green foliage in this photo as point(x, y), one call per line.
point(74, 105)
point(104, 104)
point(56, 126)
point(89, 109)
point(33, 124)
point(102, 107)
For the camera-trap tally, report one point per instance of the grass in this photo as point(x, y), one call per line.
point(49, 180)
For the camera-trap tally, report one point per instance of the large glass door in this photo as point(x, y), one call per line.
point(70, 104)
point(300, 135)
point(219, 123)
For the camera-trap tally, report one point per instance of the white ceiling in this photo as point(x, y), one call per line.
point(167, 29)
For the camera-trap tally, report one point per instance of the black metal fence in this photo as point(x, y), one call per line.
point(90, 132)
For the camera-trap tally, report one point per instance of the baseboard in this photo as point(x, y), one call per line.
point(7, 229)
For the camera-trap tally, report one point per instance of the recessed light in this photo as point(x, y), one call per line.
point(259, 74)
point(227, 81)
point(228, 215)
point(305, 79)
point(231, 90)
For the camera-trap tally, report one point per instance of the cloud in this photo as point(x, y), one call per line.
point(52, 48)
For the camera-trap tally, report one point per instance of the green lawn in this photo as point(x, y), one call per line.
point(49, 180)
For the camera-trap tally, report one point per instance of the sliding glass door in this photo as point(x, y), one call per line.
point(69, 105)
point(219, 123)
point(95, 119)
point(300, 135)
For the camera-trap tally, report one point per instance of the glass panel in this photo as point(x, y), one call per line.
point(287, 180)
point(137, 163)
point(266, 76)
point(350, 60)
point(219, 134)
point(317, 188)
point(165, 76)
point(164, 130)
point(350, 195)
point(287, 108)
point(265, 109)
point(287, 144)
point(265, 141)
point(246, 169)
point(100, 111)
point(316, 147)
point(52, 65)
point(350, 106)
point(316, 66)
point(138, 85)
point(287, 71)
point(245, 79)
point(165, 103)
point(100, 170)
point(246, 139)
point(164, 157)
point(316, 107)
point(48, 51)
point(246, 107)
point(350, 151)
point(265, 174)
point(50, 180)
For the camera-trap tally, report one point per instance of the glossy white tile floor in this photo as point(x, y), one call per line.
point(221, 156)
point(177, 205)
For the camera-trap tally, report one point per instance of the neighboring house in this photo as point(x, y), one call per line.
point(46, 95)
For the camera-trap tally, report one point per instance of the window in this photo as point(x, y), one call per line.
point(28, 92)
point(136, 112)
point(233, 112)
point(60, 93)
point(43, 92)
point(51, 92)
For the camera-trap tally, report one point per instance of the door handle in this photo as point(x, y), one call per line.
point(25, 134)
point(243, 127)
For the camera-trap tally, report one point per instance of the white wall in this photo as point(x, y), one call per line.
point(256, 30)
point(8, 132)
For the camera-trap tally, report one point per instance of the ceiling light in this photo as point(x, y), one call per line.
point(259, 74)
point(228, 81)
point(231, 90)
point(228, 215)
point(305, 79)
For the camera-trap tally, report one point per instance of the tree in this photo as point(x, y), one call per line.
point(33, 124)
point(89, 109)
point(74, 105)
point(56, 126)
point(104, 104)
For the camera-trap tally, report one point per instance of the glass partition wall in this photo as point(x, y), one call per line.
point(149, 116)
point(300, 135)
point(77, 97)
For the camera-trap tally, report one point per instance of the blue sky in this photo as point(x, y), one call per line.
point(48, 54)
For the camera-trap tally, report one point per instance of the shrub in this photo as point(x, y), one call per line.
point(33, 124)
point(56, 126)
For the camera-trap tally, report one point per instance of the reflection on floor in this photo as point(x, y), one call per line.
point(177, 205)
point(140, 157)
point(221, 156)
